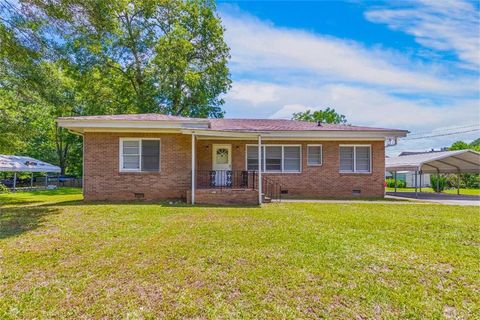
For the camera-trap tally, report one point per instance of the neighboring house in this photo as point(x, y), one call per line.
point(409, 178)
point(151, 156)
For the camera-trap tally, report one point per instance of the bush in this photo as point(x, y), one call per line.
point(391, 183)
point(442, 182)
point(4, 189)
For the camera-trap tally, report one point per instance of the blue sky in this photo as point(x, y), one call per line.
point(407, 64)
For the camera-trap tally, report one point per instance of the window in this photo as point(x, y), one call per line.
point(140, 155)
point(275, 158)
point(356, 159)
point(314, 155)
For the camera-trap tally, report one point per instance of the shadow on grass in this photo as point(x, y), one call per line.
point(15, 221)
point(167, 204)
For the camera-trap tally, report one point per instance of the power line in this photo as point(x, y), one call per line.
point(445, 129)
point(442, 134)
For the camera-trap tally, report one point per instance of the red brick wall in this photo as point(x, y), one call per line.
point(313, 181)
point(224, 196)
point(103, 181)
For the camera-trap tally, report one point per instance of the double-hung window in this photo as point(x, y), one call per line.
point(139, 155)
point(355, 159)
point(314, 154)
point(275, 158)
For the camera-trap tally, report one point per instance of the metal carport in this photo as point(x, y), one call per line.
point(461, 161)
point(10, 163)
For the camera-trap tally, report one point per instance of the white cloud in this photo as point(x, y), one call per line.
point(451, 25)
point(264, 50)
point(279, 71)
point(361, 106)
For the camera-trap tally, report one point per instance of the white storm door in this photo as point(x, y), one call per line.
point(221, 163)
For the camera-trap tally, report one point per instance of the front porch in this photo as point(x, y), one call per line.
point(232, 187)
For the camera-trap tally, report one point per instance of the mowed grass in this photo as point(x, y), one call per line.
point(62, 258)
point(470, 192)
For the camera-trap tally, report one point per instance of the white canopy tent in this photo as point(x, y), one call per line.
point(9, 163)
point(461, 161)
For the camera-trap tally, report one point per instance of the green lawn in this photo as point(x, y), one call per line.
point(61, 258)
point(472, 192)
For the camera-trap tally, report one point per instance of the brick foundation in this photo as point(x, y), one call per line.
point(224, 196)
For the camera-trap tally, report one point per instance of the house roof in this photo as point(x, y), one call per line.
point(160, 121)
point(463, 161)
point(12, 163)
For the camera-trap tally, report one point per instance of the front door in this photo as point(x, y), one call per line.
point(222, 164)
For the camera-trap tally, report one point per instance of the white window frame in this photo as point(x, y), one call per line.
point(308, 157)
point(121, 169)
point(355, 158)
point(283, 158)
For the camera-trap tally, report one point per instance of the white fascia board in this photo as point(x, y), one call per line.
point(300, 135)
point(84, 125)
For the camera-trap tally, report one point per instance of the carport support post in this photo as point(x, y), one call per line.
point(458, 184)
point(46, 180)
point(416, 195)
point(438, 181)
point(395, 174)
point(14, 181)
point(31, 181)
point(420, 186)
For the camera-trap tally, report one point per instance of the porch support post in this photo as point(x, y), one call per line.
point(14, 181)
point(193, 168)
point(31, 181)
point(259, 169)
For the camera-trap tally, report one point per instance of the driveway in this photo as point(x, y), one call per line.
point(443, 198)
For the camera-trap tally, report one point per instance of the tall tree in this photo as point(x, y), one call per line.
point(84, 57)
point(158, 56)
point(327, 116)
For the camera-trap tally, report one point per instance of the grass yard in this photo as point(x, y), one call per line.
point(471, 192)
point(61, 258)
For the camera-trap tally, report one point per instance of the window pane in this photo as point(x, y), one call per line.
point(150, 155)
point(346, 159)
point(291, 161)
point(221, 156)
point(252, 158)
point(273, 158)
point(131, 154)
point(314, 155)
point(363, 159)
point(131, 147)
point(131, 162)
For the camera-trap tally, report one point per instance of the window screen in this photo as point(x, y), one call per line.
point(150, 155)
point(291, 159)
point(314, 155)
point(140, 155)
point(355, 159)
point(273, 158)
point(346, 159)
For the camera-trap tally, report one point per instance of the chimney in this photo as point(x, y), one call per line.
point(319, 123)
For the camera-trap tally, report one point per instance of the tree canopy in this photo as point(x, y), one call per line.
point(327, 116)
point(87, 57)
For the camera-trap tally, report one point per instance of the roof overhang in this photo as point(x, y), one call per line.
point(201, 127)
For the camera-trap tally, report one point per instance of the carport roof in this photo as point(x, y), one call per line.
point(461, 161)
point(25, 164)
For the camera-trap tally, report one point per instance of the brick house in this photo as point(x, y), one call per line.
point(153, 156)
